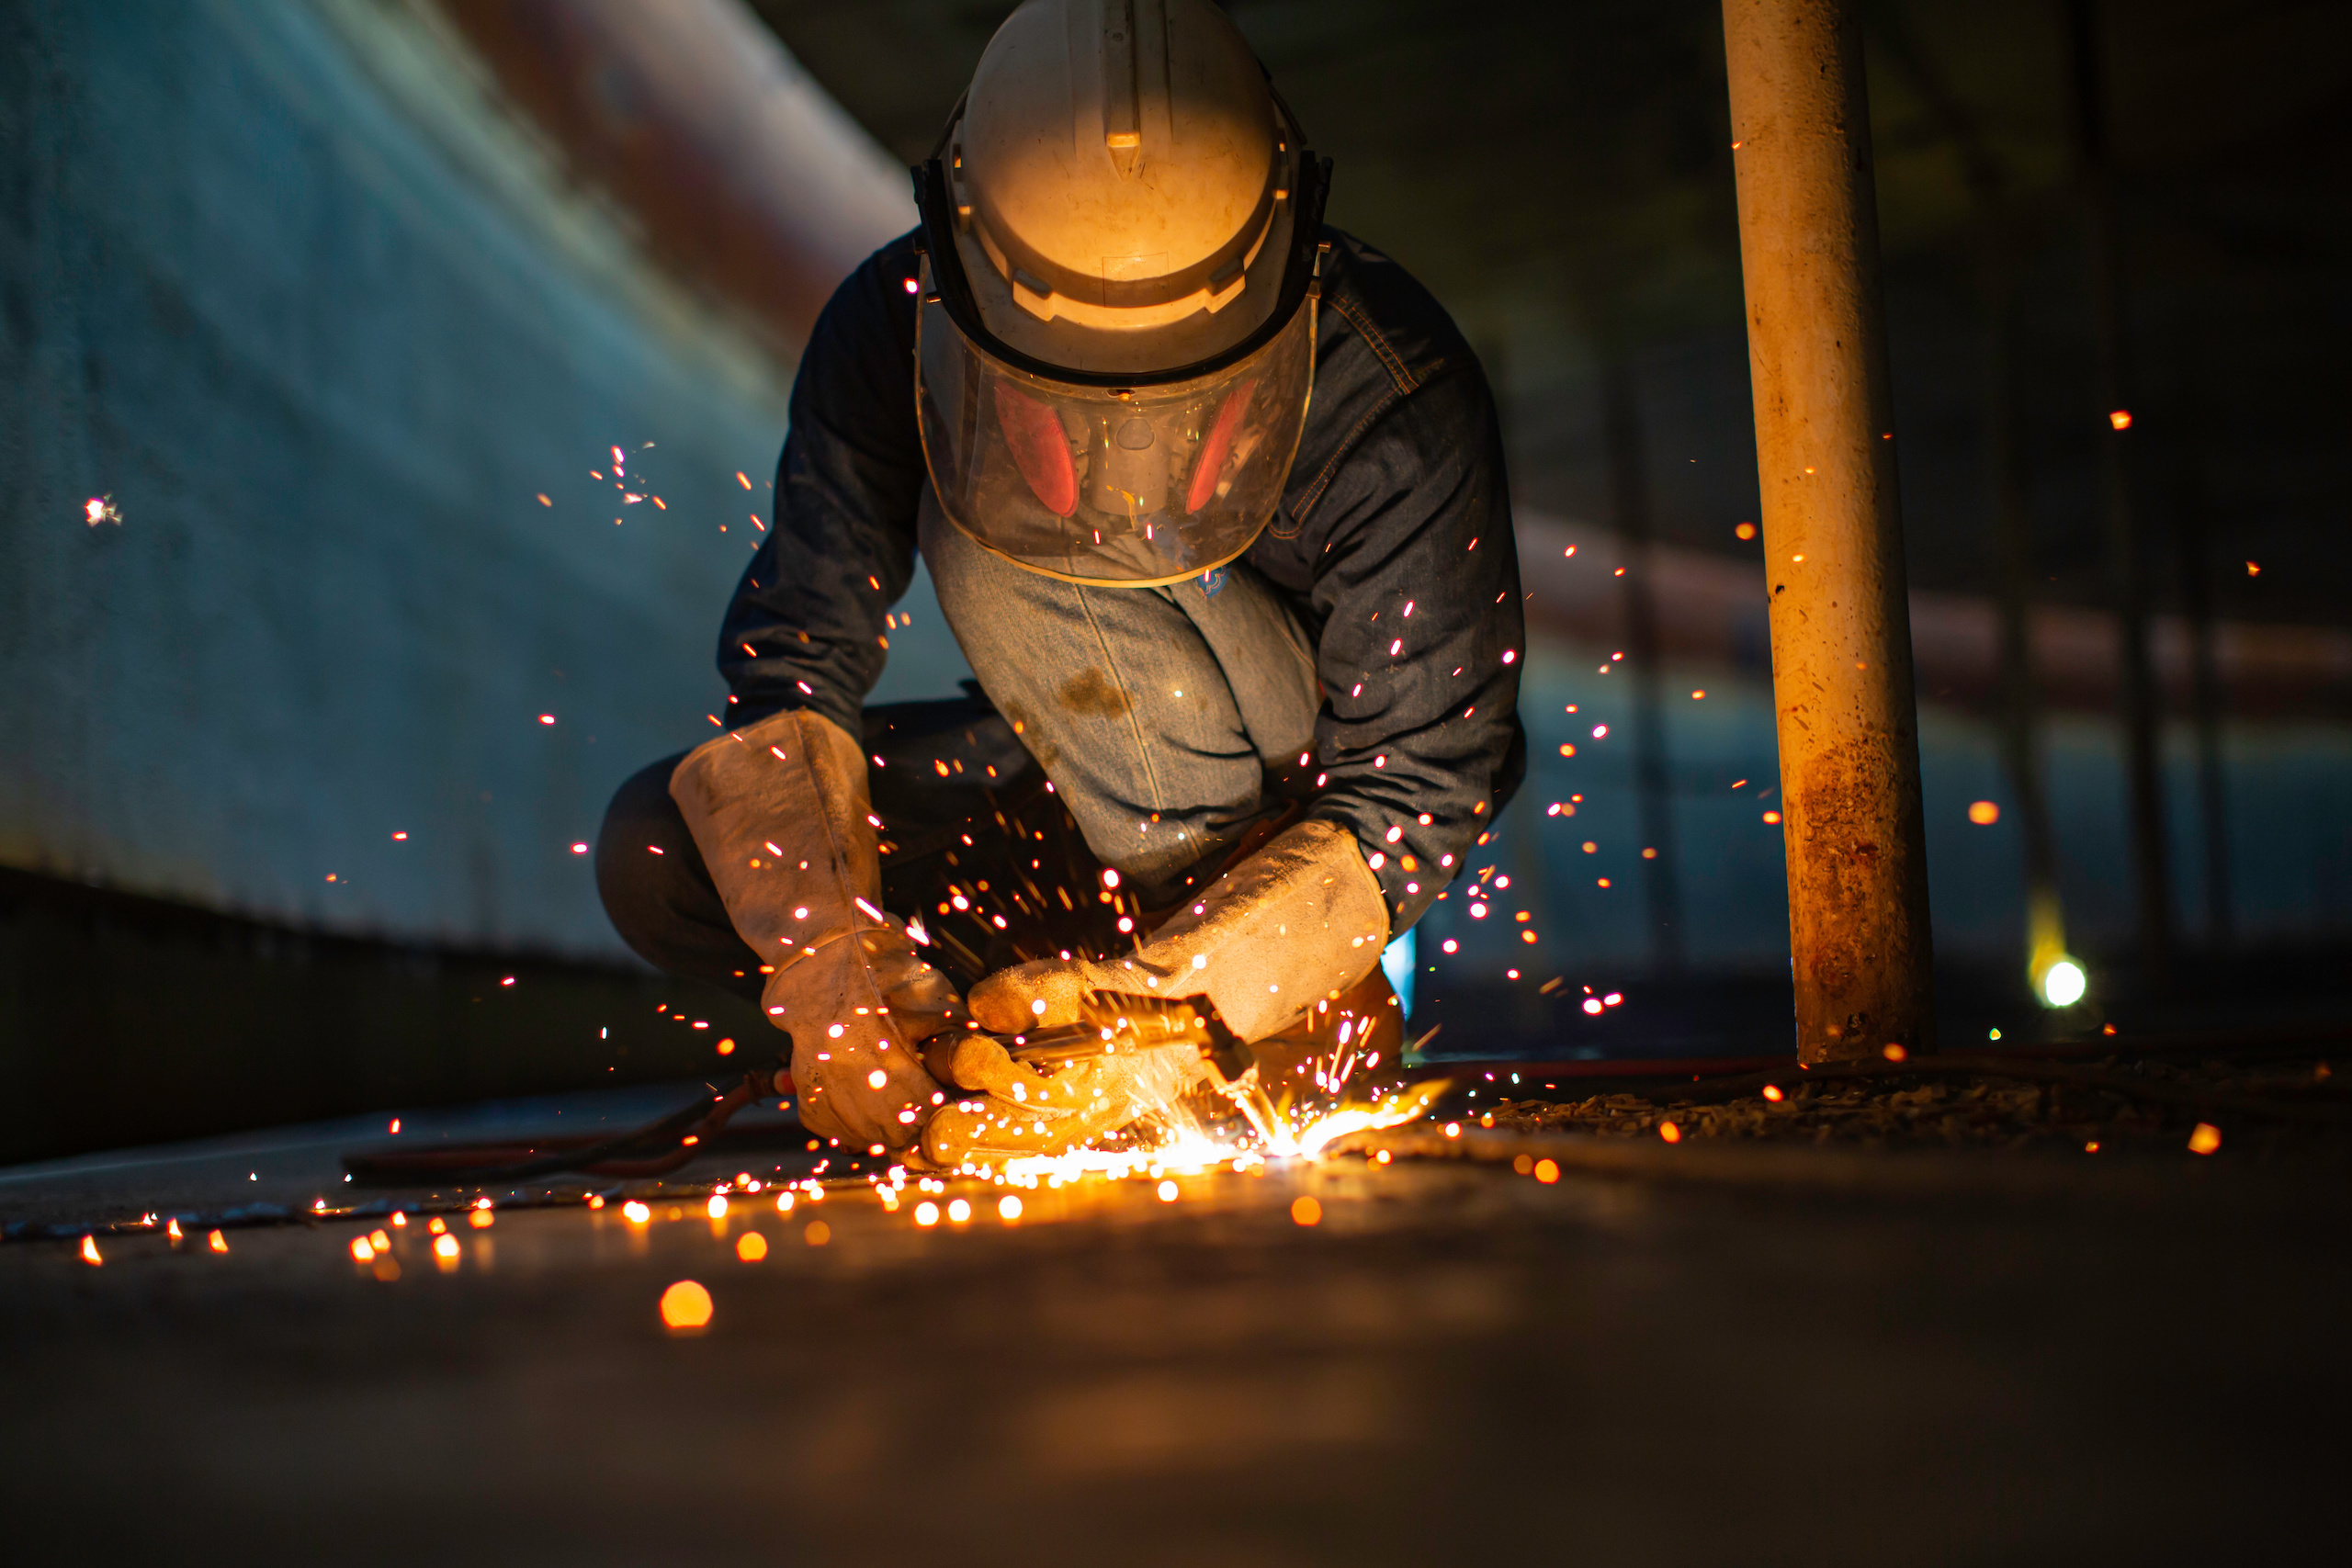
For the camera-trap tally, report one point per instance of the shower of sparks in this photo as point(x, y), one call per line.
point(1194, 1151)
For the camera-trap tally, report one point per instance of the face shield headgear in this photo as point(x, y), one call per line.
point(1127, 428)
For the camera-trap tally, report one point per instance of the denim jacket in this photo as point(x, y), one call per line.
point(1393, 541)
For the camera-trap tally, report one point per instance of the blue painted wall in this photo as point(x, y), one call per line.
point(324, 323)
point(2289, 792)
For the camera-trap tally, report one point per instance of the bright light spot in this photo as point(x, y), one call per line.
point(444, 1246)
point(546, 718)
point(1771, 819)
point(1670, 1132)
point(1547, 1171)
point(2120, 419)
point(874, 1079)
point(685, 1307)
point(580, 848)
point(1745, 531)
point(1984, 813)
point(959, 1210)
point(750, 1246)
point(1592, 1006)
point(1772, 1092)
point(2205, 1139)
point(1599, 731)
point(716, 1207)
point(926, 1213)
point(1007, 1208)
point(362, 1250)
point(2064, 982)
point(1306, 1211)
point(636, 1212)
point(1110, 878)
point(1168, 1191)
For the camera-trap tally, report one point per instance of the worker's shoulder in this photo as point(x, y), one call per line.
point(1383, 314)
point(878, 291)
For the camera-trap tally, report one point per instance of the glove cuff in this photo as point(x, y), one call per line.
point(1298, 923)
point(780, 813)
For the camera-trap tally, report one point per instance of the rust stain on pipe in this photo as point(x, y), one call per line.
point(1833, 539)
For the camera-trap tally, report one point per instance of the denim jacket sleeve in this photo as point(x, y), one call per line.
point(1415, 585)
point(805, 629)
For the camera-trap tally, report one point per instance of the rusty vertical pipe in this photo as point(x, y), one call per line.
point(1841, 631)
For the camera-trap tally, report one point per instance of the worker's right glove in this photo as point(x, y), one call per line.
point(1298, 923)
point(780, 813)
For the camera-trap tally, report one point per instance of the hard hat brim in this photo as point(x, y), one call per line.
point(950, 284)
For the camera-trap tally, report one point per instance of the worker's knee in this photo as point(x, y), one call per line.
point(656, 891)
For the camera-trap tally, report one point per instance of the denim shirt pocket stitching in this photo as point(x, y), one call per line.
point(1353, 315)
point(1322, 481)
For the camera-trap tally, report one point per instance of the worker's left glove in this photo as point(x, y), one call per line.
point(780, 812)
point(1298, 923)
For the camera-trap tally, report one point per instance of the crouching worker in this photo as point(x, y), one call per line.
point(1261, 646)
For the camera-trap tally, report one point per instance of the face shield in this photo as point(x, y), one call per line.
point(1084, 466)
point(1125, 486)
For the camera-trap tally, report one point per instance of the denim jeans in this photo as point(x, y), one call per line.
point(1171, 719)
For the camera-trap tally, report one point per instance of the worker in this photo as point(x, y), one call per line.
point(1213, 497)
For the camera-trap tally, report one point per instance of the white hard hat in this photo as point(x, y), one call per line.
point(1114, 349)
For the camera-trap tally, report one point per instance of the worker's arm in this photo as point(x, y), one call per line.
point(805, 629)
point(778, 805)
point(1422, 638)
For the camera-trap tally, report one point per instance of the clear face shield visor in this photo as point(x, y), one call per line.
point(1121, 486)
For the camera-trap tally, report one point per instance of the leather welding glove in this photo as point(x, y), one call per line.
point(780, 812)
point(1021, 1111)
point(1299, 922)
